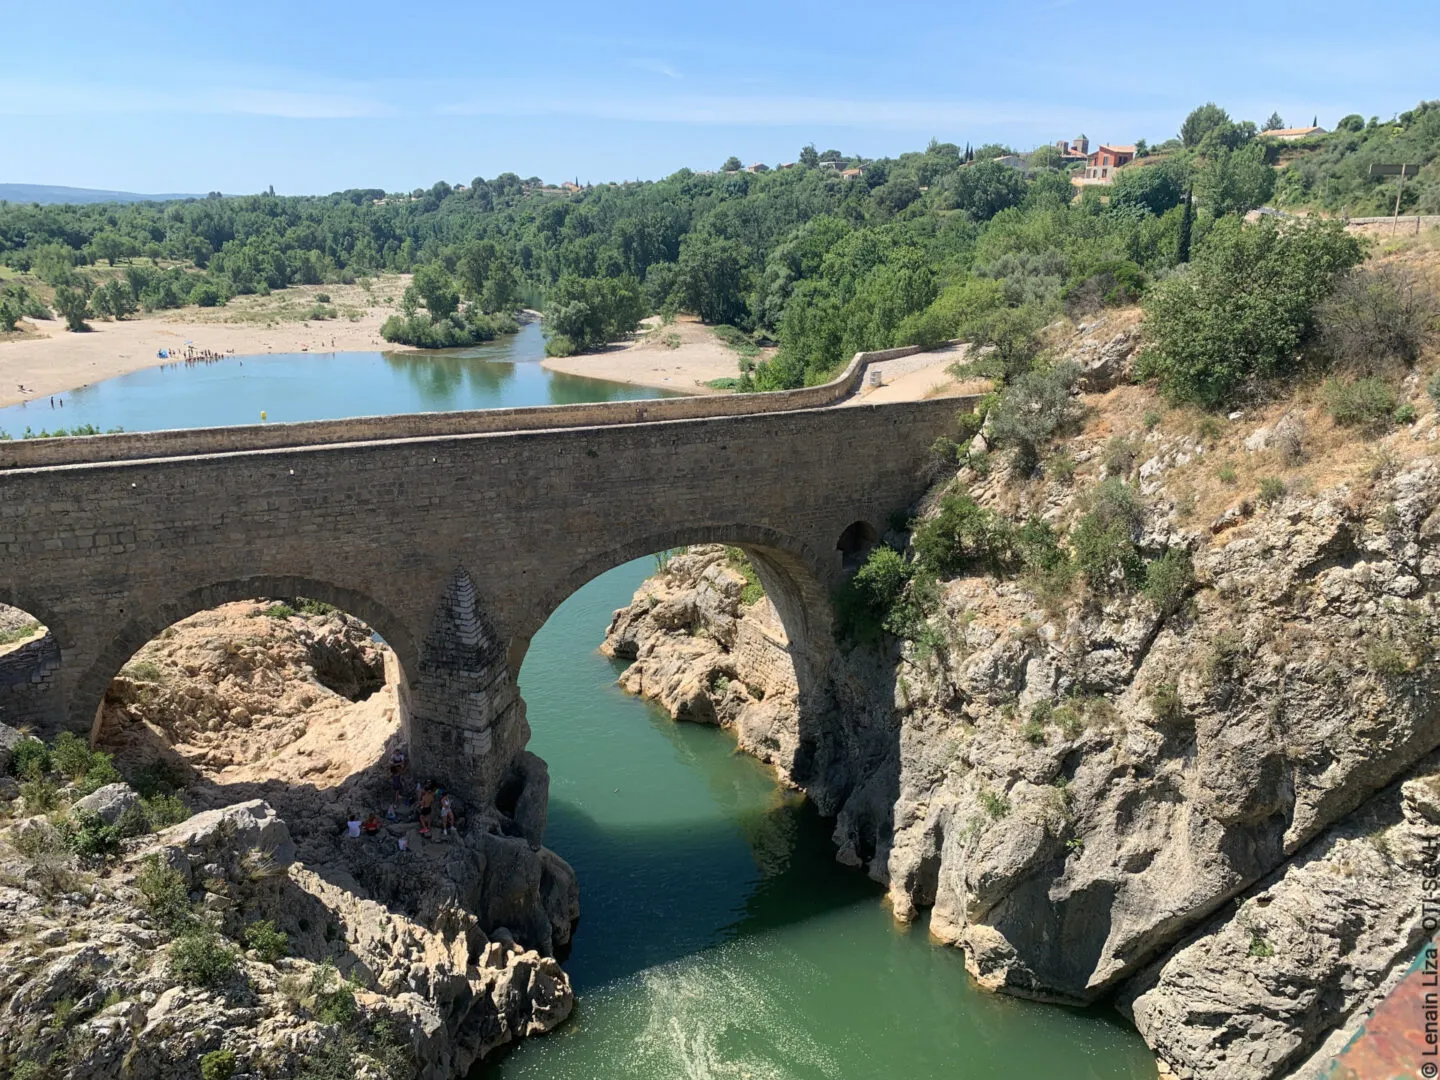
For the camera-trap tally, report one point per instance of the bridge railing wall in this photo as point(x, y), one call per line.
point(131, 446)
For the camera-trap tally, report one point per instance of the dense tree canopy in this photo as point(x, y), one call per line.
point(932, 244)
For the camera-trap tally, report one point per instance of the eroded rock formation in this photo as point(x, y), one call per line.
point(272, 728)
point(1210, 812)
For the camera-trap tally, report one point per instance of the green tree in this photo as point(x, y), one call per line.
point(1235, 181)
point(1244, 308)
point(1154, 188)
point(1201, 122)
point(436, 290)
point(73, 306)
point(809, 157)
point(711, 277)
point(732, 164)
point(985, 188)
point(1187, 225)
point(1046, 157)
point(1274, 123)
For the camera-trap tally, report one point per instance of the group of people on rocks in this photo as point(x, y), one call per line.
point(426, 796)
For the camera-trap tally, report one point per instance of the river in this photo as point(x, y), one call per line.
point(719, 938)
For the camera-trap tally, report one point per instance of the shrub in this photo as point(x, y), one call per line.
point(1432, 387)
point(322, 298)
point(1386, 659)
point(1367, 403)
point(164, 811)
point(279, 611)
point(1103, 540)
point(1226, 658)
point(995, 806)
point(91, 837)
point(1272, 490)
point(1405, 414)
point(869, 603)
point(1119, 457)
point(1243, 308)
point(1226, 474)
point(201, 957)
point(156, 778)
point(30, 758)
point(752, 592)
point(70, 756)
point(1151, 419)
point(962, 537)
point(1033, 732)
point(163, 892)
point(39, 795)
point(1377, 319)
point(1259, 947)
point(1168, 580)
point(218, 1065)
point(270, 943)
point(1165, 705)
point(1032, 409)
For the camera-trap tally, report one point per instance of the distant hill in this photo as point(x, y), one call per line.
point(49, 193)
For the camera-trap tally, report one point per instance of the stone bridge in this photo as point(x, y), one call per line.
point(453, 535)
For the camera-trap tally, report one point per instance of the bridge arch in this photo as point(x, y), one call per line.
point(792, 572)
point(148, 623)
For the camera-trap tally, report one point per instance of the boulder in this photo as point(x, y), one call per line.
point(226, 834)
point(110, 802)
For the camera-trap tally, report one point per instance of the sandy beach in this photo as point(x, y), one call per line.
point(683, 356)
point(51, 360)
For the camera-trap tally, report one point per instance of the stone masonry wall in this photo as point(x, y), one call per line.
point(107, 555)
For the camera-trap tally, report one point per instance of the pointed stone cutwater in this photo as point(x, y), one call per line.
point(468, 722)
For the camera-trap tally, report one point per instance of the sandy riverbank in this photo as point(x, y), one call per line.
point(683, 356)
point(51, 360)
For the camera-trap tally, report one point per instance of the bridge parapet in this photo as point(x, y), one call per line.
point(134, 446)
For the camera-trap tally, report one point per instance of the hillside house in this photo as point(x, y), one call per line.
point(1072, 153)
point(852, 174)
point(1291, 134)
point(1105, 159)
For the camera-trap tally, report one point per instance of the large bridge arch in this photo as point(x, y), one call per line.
point(793, 573)
point(148, 622)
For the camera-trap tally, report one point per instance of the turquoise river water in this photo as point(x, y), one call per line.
point(719, 938)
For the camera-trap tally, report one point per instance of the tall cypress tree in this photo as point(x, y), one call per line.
point(1187, 220)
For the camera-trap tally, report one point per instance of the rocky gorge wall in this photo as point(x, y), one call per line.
point(272, 727)
point(1213, 813)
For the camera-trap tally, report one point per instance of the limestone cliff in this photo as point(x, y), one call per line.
point(273, 727)
point(1210, 810)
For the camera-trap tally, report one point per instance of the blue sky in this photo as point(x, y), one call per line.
point(316, 97)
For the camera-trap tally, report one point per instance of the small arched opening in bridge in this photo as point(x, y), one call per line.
point(676, 836)
point(855, 543)
point(242, 690)
point(29, 659)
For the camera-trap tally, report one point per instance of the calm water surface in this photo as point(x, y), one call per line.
point(719, 936)
point(320, 386)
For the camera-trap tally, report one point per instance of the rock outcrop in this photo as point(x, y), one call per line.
point(404, 956)
point(1191, 807)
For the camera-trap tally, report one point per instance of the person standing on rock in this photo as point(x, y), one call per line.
point(447, 815)
point(427, 805)
point(397, 770)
